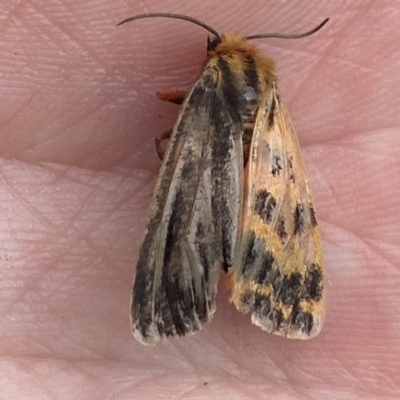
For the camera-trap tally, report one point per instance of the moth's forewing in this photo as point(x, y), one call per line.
point(278, 274)
point(193, 218)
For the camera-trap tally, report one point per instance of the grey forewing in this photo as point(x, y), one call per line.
point(194, 216)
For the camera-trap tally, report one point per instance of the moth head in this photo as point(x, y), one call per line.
point(212, 43)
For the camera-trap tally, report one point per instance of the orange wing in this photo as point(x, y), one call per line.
point(278, 273)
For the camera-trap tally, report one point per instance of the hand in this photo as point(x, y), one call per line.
point(78, 119)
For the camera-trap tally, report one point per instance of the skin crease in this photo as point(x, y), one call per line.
point(77, 123)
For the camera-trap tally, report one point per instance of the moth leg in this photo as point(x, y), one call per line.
point(176, 96)
point(158, 140)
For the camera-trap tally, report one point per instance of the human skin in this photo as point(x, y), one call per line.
point(78, 118)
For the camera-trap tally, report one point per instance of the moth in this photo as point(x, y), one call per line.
point(232, 194)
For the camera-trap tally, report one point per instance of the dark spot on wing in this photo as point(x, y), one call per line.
point(265, 266)
point(303, 320)
point(314, 282)
point(262, 305)
point(281, 229)
point(275, 279)
point(298, 219)
point(277, 317)
point(271, 113)
point(276, 167)
point(291, 173)
point(249, 253)
point(265, 205)
point(312, 216)
point(200, 233)
point(290, 289)
point(174, 225)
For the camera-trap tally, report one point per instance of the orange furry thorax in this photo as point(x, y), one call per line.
point(238, 51)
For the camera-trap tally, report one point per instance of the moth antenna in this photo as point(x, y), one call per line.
point(289, 36)
point(176, 16)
